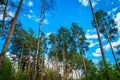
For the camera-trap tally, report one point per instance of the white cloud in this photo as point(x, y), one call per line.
point(86, 2)
point(95, 61)
point(117, 20)
point(45, 21)
point(93, 44)
point(113, 10)
point(9, 15)
point(1, 16)
point(107, 46)
point(94, 3)
point(47, 34)
point(29, 16)
point(30, 3)
point(97, 53)
point(91, 31)
point(91, 36)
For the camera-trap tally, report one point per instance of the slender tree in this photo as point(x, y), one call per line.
point(104, 21)
point(99, 39)
point(30, 42)
point(63, 43)
point(53, 42)
point(42, 15)
point(80, 39)
point(12, 27)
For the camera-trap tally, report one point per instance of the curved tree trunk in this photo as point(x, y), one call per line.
point(12, 27)
point(100, 42)
point(116, 61)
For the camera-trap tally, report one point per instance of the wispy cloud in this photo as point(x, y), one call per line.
point(113, 10)
point(45, 21)
point(1, 16)
point(29, 16)
point(86, 2)
point(47, 34)
point(92, 44)
point(97, 53)
point(91, 36)
point(117, 20)
point(107, 46)
point(9, 15)
point(30, 3)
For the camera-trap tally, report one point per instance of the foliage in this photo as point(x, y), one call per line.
point(6, 70)
point(104, 19)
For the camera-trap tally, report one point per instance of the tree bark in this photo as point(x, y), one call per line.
point(100, 42)
point(64, 64)
point(57, 69)
point(19, 66)
point(38, 42)
point(12, 27)
point(84, 65)
point(28, 69)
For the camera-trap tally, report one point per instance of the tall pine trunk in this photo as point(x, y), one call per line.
point(64, 64)
point(38, 42)
point(28, 68)
point(19, 66)
point(12, 27)
point(57, 68)
point(42, 66)
point(116, 61)
point(100, 42)
point(84, 65)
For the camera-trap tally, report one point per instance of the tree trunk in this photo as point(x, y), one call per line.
point(117, 64)
point(57, 69)
point(42, 66)
point(3, 21)
point(84, 65)
point(19, 66)
point(64, 64)
point(28, 69)
point(100, 42)
point(12, 27)
point(38, 42)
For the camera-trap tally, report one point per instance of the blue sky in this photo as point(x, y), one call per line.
point(68, 11)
